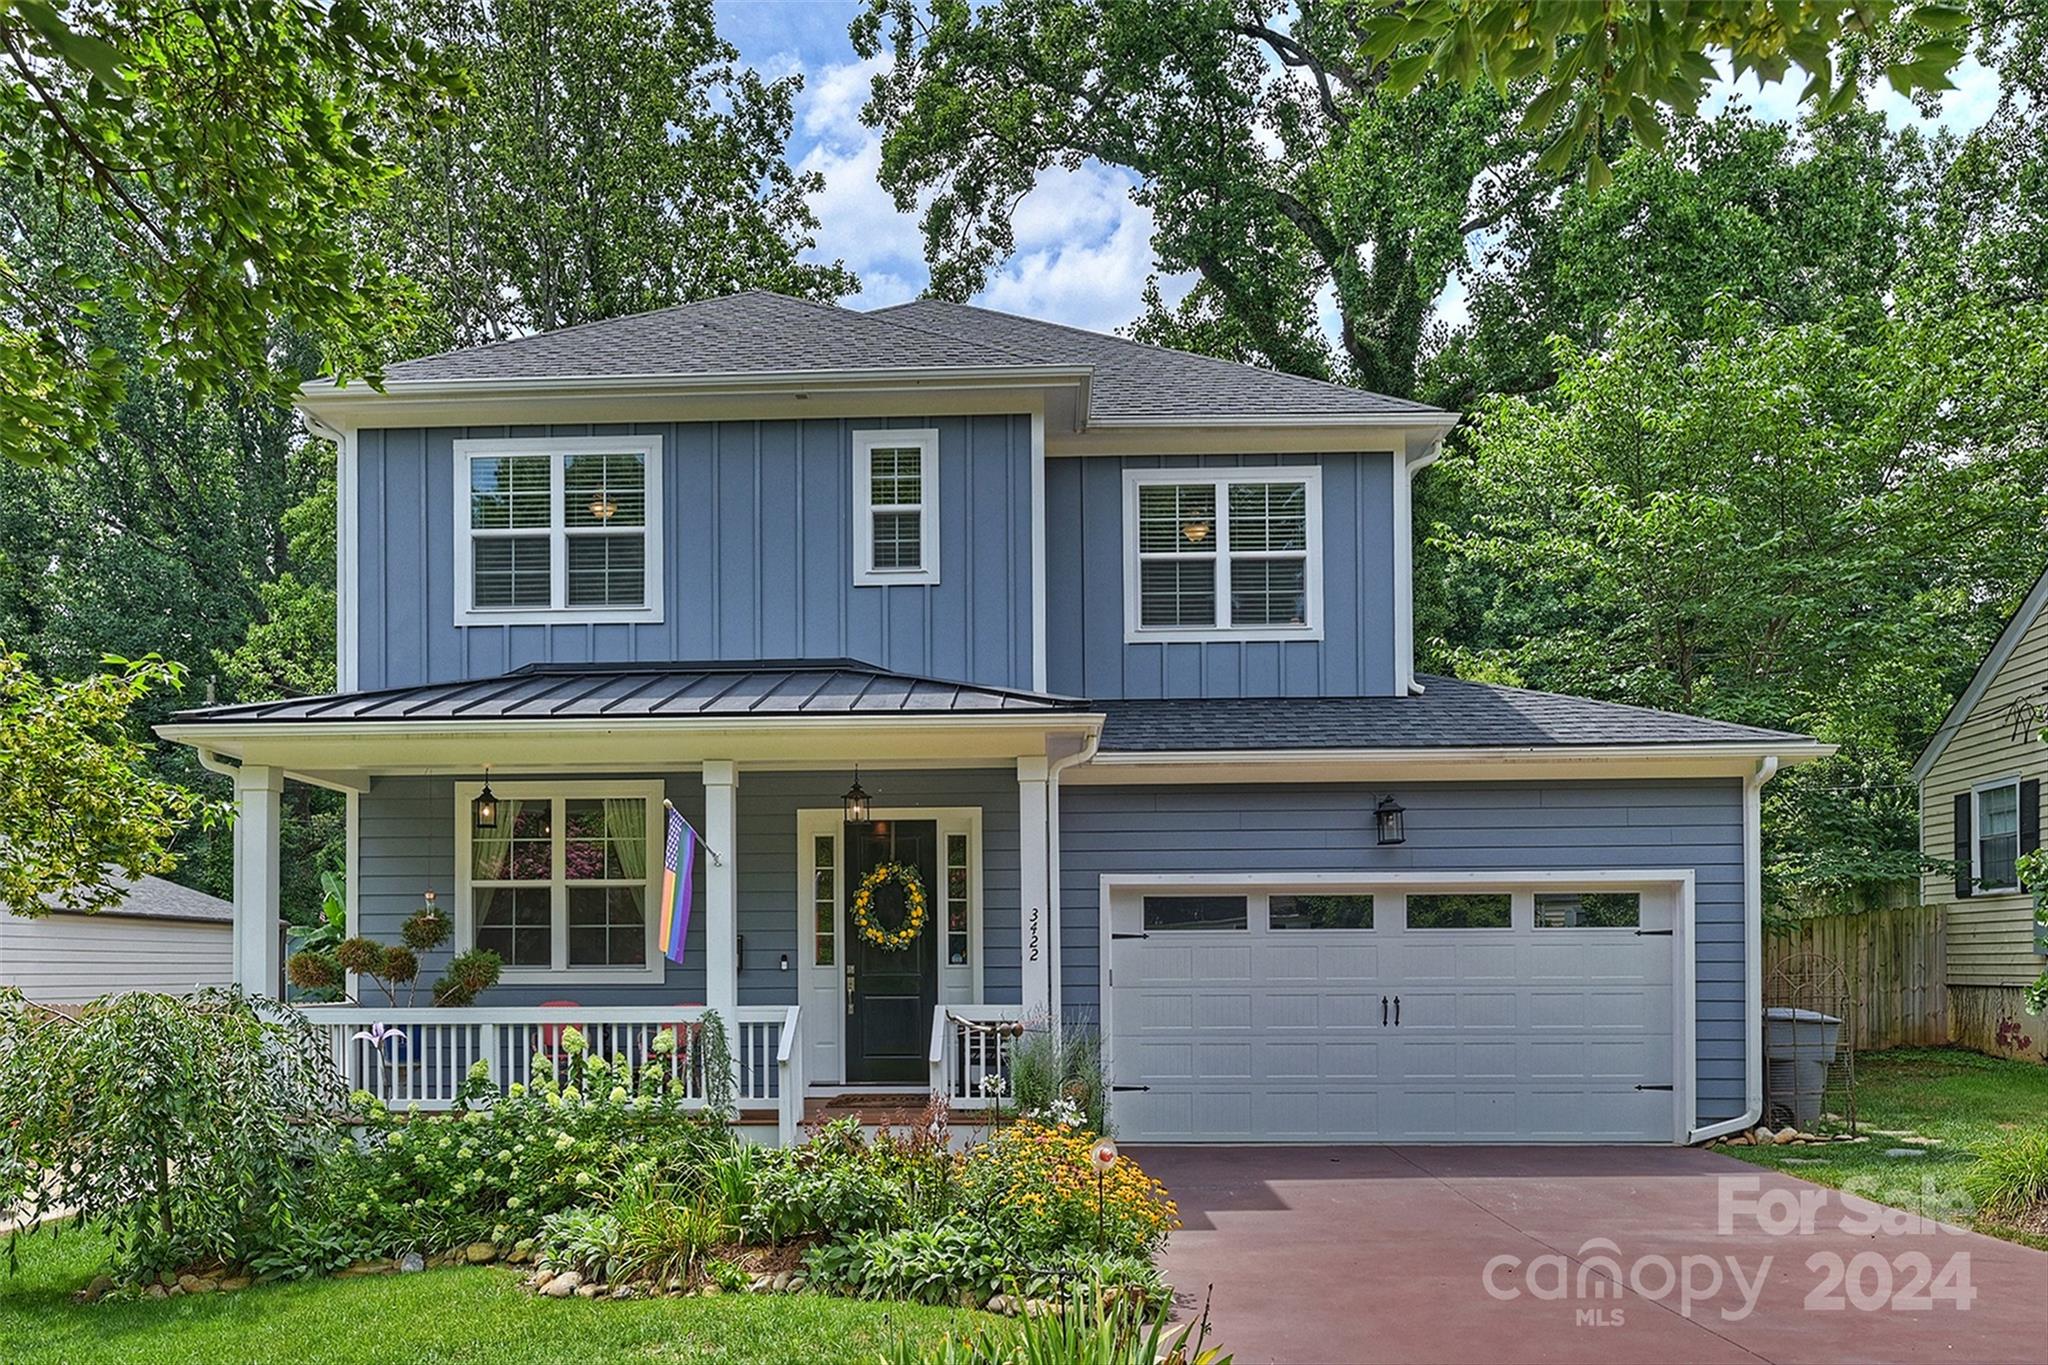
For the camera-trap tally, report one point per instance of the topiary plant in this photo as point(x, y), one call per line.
point(395, 965)
point(469, 975)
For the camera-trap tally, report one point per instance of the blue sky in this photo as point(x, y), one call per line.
point(1083, 248)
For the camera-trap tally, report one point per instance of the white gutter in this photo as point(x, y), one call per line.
point(728, 381)
point(1494, 754)
point(1752, 956)
point(199, 732)
point(1443, 421)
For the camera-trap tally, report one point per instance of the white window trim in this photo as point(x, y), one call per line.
point(1977, 835)
point(656, 967)
point(1307, 475)
point(865, 444)
point(467, 613)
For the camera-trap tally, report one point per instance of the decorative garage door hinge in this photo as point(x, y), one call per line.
point(1653, 1087)
point(1653, 933)
point(1130, 935)
point(1130, 1087)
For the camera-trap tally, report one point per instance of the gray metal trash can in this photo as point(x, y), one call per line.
point(1799, 1047)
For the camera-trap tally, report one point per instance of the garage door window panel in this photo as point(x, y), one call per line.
point(1180, 914)
point(1487, 910)
point(1589, 910)
point(1319, 912)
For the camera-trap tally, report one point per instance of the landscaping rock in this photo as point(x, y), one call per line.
point(480, 1253)
point(797, 1282)
point(1741, 1140)
point(95, 1291)
point(157, 1291)
point(563, 1285)
point(711, 1289)
point(522, 1252)
point(780, 1282)
point(1002, 1303)
point(676, 1286)
point(195, 1284)
point(1785, 1135)
point(411, 1263)
point(234, 1284)
point(626, 1291)
point(589, 1291)
point(760, 1284)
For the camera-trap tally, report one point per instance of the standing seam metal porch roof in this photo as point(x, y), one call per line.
point(756, 688)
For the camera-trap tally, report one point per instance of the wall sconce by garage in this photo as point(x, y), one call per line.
point(856, 802)
point(484, 810)
point(1387, 821)
point(783, 965)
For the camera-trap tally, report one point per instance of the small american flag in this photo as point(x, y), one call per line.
point(679, 862)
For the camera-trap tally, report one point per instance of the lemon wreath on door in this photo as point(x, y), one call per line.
point(867, 922)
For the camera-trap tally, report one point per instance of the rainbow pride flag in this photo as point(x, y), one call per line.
point(679, 861)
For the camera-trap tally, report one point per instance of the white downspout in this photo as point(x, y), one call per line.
point(1052, 853)
point(1752, 956)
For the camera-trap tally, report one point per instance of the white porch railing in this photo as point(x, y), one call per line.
point(967, 1051)
point(422, 1056)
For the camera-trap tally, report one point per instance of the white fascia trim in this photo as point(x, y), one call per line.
point(1065, 722)
point(1752, 960)
point(1570, 753)
point(1980, 681)
point(1443, 421)
point(1404, 577)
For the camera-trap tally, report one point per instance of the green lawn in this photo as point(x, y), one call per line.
point(1966, 1099)
point(468, 1314)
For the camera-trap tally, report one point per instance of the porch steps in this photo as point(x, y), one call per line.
point(874, 1109)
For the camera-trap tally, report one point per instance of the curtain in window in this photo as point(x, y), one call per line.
point(625, 829)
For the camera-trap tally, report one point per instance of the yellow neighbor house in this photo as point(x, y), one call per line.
point(1980, 807)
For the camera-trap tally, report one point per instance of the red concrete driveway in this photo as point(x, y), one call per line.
point(1499, 1254)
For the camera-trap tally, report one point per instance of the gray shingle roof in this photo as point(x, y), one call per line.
point(1450, 714)
point(758, 332)
point(760, 688)
point(155, 898)
point(747, 333)
point(1134, 381)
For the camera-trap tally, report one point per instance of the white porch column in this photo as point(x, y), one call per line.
point(259, 794)
point(721, 889)
point(1034, 846)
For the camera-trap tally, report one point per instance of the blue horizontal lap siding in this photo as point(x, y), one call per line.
point(768, 885)
point(1521, 827)
point(758, 558)
point(408, 845)
point(1085, 649)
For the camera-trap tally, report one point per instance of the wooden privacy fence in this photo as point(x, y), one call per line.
point(1896, 962)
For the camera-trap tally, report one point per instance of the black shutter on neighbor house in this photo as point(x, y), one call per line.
point(1963, 884)
point(2030, 815)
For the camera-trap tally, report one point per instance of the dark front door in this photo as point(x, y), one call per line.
point(894, 989)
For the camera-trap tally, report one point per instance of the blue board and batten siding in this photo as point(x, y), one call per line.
point(1518, 827)
point(1087, 656)
point(758, 559)
point(408, 846)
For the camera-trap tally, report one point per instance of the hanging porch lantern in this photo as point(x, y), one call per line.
point(1388, 822)
point(484, 810)
point(856, 802)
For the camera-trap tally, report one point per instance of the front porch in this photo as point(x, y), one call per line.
point(564, 883)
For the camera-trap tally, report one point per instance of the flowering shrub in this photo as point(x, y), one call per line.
point(839, 1183)
point(1035, 1183)
point(493, 1174)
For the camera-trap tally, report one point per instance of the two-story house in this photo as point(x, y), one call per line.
point(1111, 644)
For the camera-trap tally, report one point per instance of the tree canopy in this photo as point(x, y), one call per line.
point(224, 150)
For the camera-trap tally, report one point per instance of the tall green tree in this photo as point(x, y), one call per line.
point(610, 158)
point(1782, 525)
point(223, 148)
point(1273, 156)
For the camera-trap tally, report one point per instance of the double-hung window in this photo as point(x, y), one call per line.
point(1998, 837)
point(1233, 555)
point(896, 507)
point(564, 885)
point(560, 529)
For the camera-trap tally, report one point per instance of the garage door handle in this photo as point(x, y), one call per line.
point(1383, 1011)
point(1130, 1087)
point(1397, 1011)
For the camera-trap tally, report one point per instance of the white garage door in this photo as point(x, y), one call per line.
point(1509, 1013)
